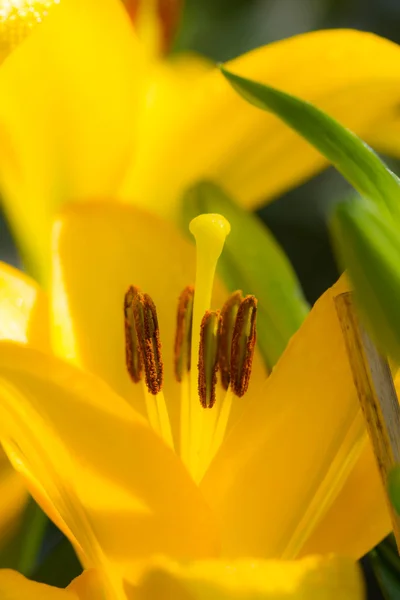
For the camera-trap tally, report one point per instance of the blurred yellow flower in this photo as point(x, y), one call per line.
point(294, 477)
point(89, 110)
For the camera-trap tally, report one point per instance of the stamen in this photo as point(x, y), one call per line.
point(146, 323)
point(143, 349)
point(243, 344)
point(183, 337)
point(228, 318)
point(132, 351)
point(208, 358)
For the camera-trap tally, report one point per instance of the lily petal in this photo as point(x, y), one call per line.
point(385, 135)
point(88, 586)
point(99, 251)
point(353, 76)
point(14, 586)
point(67, 110)
point(23, 318)
point(314, 578)
point(288, 457)
point(361, 531)
point(95, 466)
point(24, 311)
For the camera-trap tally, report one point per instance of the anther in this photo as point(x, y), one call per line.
point(148, 335)
point(243, 344)
point(183, 336)
point(132, 351)
point(227, 324)
point(208, 358)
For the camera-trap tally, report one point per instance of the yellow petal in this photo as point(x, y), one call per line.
point(313, 578)
point(385, 135)
point(67, 106)
point(23, 318)
point(24, 309)
point(363, 490)
point(14, 586)
point(353, 76)
point(164, 119)
point(95, 465)
point(99, 251)
point(289, 455)
point(88, 586)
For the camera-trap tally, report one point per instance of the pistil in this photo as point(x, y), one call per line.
point(206, 343)
point(210, 232)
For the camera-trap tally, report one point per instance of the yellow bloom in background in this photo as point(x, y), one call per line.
point(294, 477)
point(89, 110)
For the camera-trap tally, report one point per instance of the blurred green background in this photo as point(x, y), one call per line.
point(222, 29)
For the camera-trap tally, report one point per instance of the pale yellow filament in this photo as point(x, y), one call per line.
point(222, 422)
point(158, 415)
point(184, 424)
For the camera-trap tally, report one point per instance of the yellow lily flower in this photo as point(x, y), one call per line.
point(87, 111)
point(295, 476)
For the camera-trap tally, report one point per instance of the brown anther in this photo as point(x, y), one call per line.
point(132, 352)
point(208, 358)
point(148, 335)
point(227, 324)
point(243, 344)
point(183, 336)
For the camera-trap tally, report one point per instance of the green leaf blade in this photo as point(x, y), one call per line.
point(368, 245)
point(351, 156)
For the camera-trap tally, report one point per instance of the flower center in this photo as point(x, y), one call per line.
point(218, 342)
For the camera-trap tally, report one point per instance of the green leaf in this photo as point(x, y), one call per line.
point(352, 157)
point(253, 261)
point(394, 487)
point(59, 567)
point(21, 551)
point(386, 565)
point(368, 245)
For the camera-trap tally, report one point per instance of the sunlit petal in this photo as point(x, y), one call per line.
point(360, 506)
point(23, 318)
point(88, 586)
point(24, 312)
point(95, 465)
point(293, 447)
